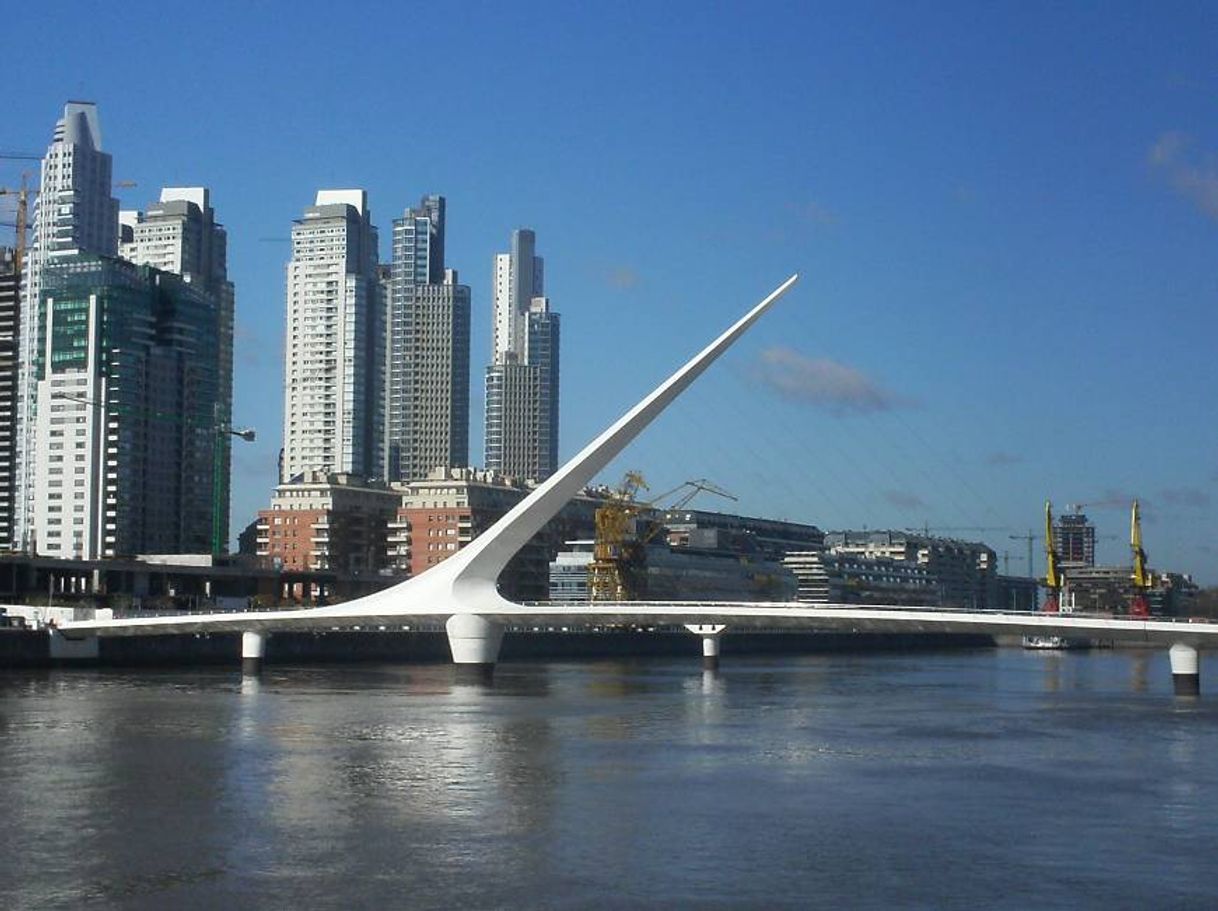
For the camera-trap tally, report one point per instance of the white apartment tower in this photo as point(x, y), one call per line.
point(74, 213)
point(522, 380)
point(334, 356)
point(428, 370)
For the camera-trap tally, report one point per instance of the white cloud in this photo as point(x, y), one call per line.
point(903, 499)
point(1195, 180)
point(623, 278)
point(820, 382)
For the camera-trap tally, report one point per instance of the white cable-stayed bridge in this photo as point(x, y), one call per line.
point(462, 590)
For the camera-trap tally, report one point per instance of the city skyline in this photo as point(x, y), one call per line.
point(1013, 201)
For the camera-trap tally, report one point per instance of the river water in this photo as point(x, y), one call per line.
point(987, 778)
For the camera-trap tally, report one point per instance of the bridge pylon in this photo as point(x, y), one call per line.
point(710, 633)
point(1185, 669)
point(253, 650)
point(474, 642)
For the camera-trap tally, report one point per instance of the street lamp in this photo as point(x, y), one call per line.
point(219, 533)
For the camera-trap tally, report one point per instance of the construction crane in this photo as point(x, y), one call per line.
point(23, 197)
point(1028, 539)
point(1053, 576)
point(936, 529)
point(692, 489)
point(1138, 606)
point(21, 225)
point(615, 572)
point(23, 194)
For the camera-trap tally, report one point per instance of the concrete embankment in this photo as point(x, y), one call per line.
point(27, 648)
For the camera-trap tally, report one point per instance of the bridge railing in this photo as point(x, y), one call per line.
point(601, 606)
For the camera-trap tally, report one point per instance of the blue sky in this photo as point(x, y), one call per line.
point(1005, 216)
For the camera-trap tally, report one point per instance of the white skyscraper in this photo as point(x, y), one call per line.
point(429, 317)
point(74, 213)
point(334, 356)
point(522, 380)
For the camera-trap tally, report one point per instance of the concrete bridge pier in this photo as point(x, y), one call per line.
point(474, 642)
point(81, 649)
point(1185, 670)
point(710, 633)
point(253, 649)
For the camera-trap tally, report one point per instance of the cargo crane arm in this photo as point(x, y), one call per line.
point(1053, 576)
point(1139, 606)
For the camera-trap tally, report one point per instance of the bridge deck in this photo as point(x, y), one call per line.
point(780, 615)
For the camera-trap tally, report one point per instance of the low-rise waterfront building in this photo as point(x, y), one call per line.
point(440, 514)
point(890, 567)
point(327, 521)
point(1110, 590)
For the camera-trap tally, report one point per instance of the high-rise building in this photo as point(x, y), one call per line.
point(128, 390)
point(334, 356)
point(429, 320)
point(180, 234)
point(10, 315)
point(522, 380)
point(1075, 539)
point(74, 213)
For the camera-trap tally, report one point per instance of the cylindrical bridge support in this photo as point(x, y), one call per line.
point(1185, 670)
point(253, 649)
point(710, 633)
point(474, 642)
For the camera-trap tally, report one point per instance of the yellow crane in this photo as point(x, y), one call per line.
point(1138, 606)
point(616, 548)
point(615, 573)
point(1053, 574)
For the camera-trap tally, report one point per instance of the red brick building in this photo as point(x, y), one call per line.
point(335, 522)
